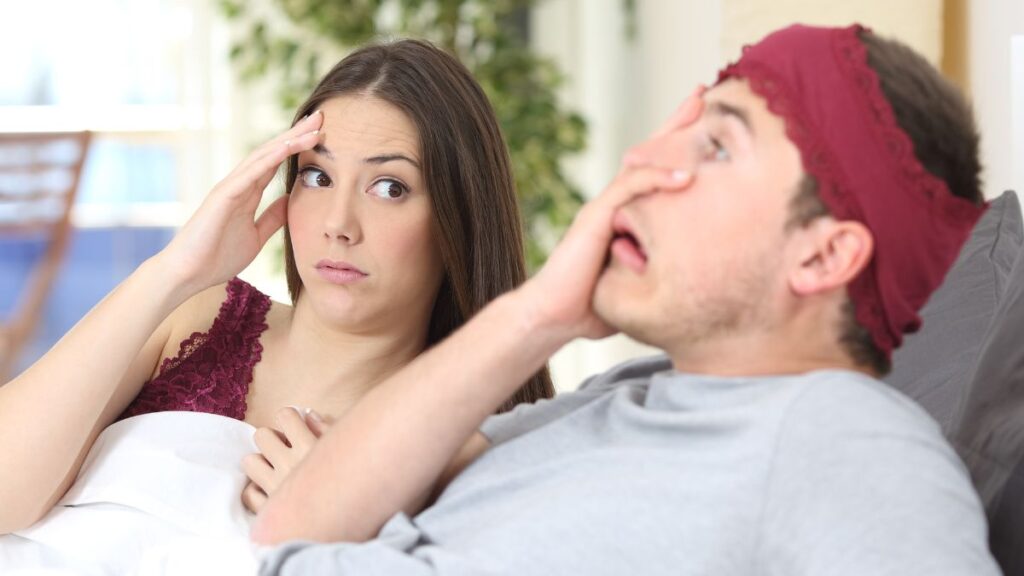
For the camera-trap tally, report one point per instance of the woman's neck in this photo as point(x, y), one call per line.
point(332, 367)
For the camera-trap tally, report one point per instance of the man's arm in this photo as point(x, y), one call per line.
point(390, 449)
point(387, 452)
point(864, 483)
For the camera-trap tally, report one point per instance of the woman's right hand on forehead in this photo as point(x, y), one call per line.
point(223, 236)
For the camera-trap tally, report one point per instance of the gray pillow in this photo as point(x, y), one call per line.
point(989, 430)
point(966, 367)
point(935, 364)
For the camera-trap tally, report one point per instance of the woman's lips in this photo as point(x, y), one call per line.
point(337, 272)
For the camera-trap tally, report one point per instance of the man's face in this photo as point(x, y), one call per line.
point(711, 260)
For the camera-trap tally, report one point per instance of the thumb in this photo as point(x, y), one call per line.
point(272, 219)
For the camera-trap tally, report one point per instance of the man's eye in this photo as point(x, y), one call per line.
point(314, 178)
point(388, 189)
point(716, 151)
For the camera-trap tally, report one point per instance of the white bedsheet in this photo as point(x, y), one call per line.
point(158, 494)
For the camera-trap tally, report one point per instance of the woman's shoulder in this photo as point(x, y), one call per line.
point(234, 305)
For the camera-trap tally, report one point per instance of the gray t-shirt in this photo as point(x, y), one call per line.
point(648, 471)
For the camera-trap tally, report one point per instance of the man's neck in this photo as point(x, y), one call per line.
point(762, 354)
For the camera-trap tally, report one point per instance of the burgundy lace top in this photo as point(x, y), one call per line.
point(213, 369)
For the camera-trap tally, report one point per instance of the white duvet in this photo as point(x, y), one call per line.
point(158, 494)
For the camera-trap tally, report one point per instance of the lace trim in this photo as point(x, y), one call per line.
point(213, 369)
point(852, 55)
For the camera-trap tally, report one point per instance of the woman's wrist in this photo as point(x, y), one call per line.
point(167, 282)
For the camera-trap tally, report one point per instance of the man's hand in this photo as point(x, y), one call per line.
point(395, 444)
point(280, 453)
point(561, 293)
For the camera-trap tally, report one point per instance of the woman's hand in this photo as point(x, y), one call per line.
point(561, 293)
point(280, 453)
point(224, 235)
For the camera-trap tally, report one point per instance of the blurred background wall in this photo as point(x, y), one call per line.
point(153, 79)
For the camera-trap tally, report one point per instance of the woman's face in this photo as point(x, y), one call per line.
point(360, 219)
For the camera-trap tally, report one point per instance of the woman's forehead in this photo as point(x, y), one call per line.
point(361, 124)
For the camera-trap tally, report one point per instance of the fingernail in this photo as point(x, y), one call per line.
point(316, 416)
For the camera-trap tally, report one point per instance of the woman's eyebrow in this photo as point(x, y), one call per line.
point(720, 108)
point(378, 159)
point(382, 158)
point(323, 151)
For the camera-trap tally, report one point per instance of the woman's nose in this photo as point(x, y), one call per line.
point(341, 221)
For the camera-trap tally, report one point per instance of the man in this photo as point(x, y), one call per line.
point(775, 240)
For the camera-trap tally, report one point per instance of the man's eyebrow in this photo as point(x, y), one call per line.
point(379, 159)
point(722, 109)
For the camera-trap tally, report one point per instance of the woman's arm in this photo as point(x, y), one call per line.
point(51, 414)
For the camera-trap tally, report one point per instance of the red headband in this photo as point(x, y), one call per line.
point(818, 80)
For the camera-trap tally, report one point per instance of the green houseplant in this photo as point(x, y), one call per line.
point(488, 36)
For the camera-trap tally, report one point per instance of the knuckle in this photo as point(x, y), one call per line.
point(264, 436)
point(287, 415)
point(251, 461)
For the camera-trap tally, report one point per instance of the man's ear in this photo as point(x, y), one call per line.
point(830, 254)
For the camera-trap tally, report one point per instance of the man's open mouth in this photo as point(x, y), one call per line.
point(625, 245)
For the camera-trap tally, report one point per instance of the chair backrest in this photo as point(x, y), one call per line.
point(39, 177)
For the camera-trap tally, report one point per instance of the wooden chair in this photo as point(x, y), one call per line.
point(39, 177)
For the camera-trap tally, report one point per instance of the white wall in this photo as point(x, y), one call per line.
point(918, 23)
point(1017, 148)
point(992, 24)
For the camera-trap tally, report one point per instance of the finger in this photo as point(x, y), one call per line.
point(260, 472)
point(248, 183)
point(634, 159)
point(253, 498)
point(591, 232)
point(687, 112)
point(272, 219)
point(310, 123)
point(298, 434)
point(272, 445)
point(638, 182)
point(317, 424)
point(263, 170)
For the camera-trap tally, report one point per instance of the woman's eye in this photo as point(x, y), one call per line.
point(314, 178)
point(388, 189)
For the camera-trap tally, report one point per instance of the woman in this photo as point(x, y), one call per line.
point(400, 221)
